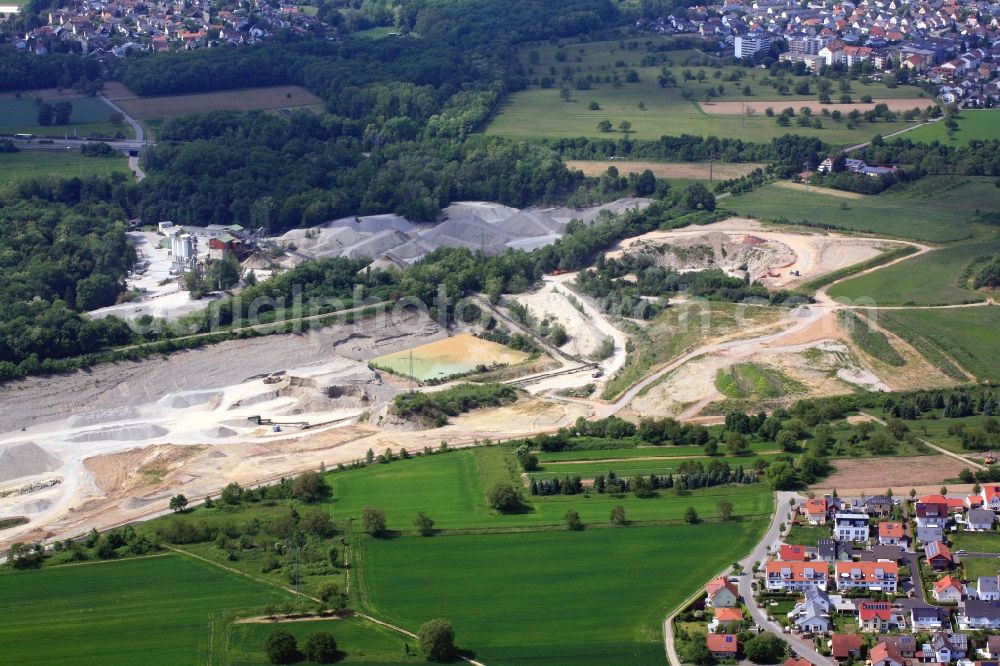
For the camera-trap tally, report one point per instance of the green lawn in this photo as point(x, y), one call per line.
point(558, 597)
point(451, 488)
point(968, 335)
point(540, 112)
point(935, 278)
point(936, 209)
point(980, 566)
point(807, 535)
point(976, 542)
point(68, 163)
point(358, 641)
point(973, 124)
point(90, 118)
point(935, 430)
point(172, 607)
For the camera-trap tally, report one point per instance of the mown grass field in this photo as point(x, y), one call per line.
point(973, 124)
point(540, 112)
point(169, 609)
point(976, 542)
point(29, 164)
point(358, 641)
point(807, 535)
point(936, 209)
point(935, 278)
point(980, 566)
point(452, 488)
point(967, 335)
point(556, 597)
point(90, 117)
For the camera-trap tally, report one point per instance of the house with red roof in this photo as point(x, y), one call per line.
point(797, 661)
point(725, 617)
point(939, 556)
point(815, 511)
point(845, 646)
point(883, 655)
point(954, 504)
point(949, 590)
point(796, 576)
point(875, 616)
point(722, 646)
point(991, 497)
point(872, 576)
point(720, 593)
point(789, 553)
point(891, 534)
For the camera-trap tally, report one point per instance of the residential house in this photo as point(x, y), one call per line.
point(724, 617)
point(722, 646)
point(939, 556)
point(931, 514)
point(872, 576)
point(992, 647)
point(925, 618)
point(845, 646)
point(883, 655)
point(991, 497)
point(720, 593)
point(851, 527)
point(979, 520)
point(978, 614)
point(830, 550)
point(948, 590)
point(815, 511)
point(797, 661)
point(954, 504)
point(944, 647)
point(812, 614)
point(904, 645)
point(796, 576)
point(875, 616)
point(788, 553)
point(876, 506)
point(879, 553)
point(988, 588)
point(890, 534)
point(928, 533)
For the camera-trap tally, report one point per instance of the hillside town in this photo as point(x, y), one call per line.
point(120, 27)
point(879, 581)
point(954, 46)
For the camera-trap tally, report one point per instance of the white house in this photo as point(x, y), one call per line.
point(979, 614)
point(851, 527)
point(979, 520)
point(988, 588)
point(948, 590)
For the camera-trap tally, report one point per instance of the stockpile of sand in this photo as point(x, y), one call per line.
point(103, 416)
point(185, 399)
point(126, 433)
point(25, 459)
point(217, 432)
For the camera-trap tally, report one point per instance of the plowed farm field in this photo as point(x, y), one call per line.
point(249, 99)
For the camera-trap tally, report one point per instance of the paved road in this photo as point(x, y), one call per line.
point(801, 647)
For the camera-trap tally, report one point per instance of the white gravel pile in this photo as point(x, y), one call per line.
point(25, 459)
point(185, 399)
point(99, 416)
point(126, 433)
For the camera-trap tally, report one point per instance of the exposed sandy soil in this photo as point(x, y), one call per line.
point(815, 254)
point(759, 105)
point(896, 472)
point(551, 302)
point(248, 99)
point(692, 170)
point(117, 472)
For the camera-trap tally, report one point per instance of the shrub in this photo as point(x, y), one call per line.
point(437, 640)
point(505, 499)
point(321, 648)
point(281, 648)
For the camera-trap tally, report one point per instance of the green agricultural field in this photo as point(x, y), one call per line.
point(90, 118)
point(538, 112)
point(967, 335)
point(563, 601)
point(936, 278)
point(358, 641)
point(29, 164)
point(107, 613)
point(973, 125)
point(937, 209)
point(451, 489)
point(745, 380)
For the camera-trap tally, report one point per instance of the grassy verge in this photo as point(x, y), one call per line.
point(871, 341)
